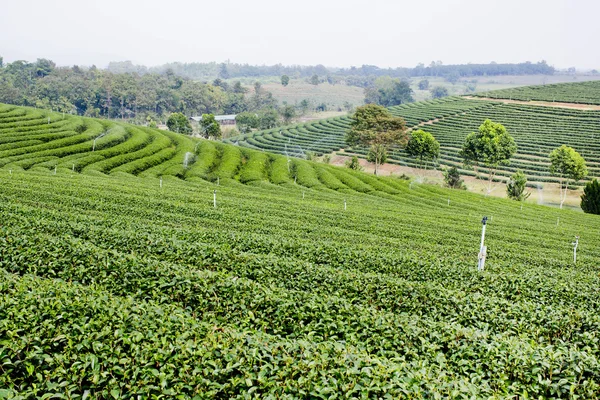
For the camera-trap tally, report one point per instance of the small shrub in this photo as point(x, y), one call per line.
point(590, 199)
point(354, 164)
point(452, 179)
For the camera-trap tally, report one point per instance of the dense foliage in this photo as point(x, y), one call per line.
point(112, 286)
point(124, 95)
point(392, 94)
point(490, 146)
point(568, 165)
point(515, 187)
point(374, 126)
point(423, 147)
point(177, 122)
point(359, 76)
point(452, 178)
point(590, 199)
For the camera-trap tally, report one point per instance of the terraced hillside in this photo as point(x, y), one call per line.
point(33, 140)
point(536, 129)
point(115, 287)
point(580, 93)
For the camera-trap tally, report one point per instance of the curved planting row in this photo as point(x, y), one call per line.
point(579, 92)
point(119, 287)
point(536, 129)
point(32, 140)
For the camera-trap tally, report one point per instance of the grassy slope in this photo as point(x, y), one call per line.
point(113, 285)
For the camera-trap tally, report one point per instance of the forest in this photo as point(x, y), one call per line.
point(362, 76)
point(94, 92)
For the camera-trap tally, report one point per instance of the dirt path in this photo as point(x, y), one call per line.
point(575, 106)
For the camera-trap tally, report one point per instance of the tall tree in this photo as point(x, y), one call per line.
point(423, 84)
point(423, 147)
point(373, 126)
point(438, 92)
point(177, 122)
point(491, 146)
point(285, 80)
point(247, 121)
point(568, 165)
point(399, 93)
point(209, 127)
point(590, 199)
point(314, 80)
point(288, 113)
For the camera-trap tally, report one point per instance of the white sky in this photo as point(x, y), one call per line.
point(307, 32)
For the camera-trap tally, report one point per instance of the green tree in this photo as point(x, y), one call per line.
point(423, 84)
point(452, 178)
point(399, 93)
point(354, 164)
point(438, 92)
point(423, 147)
point(304, 106)
point(515, 188)
point(238, 88)
point(179, 123)
point(373, 126)
point(288, 113)
point(490, 147)
point(285, 80)
point(268, 118)
point(209, 127)
point(389, 92)
point(378, 155)
point(314, 80)
point(246, 121)
point(590, 199)
point(568, 165)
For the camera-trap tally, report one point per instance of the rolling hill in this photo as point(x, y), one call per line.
point(536, 129)
point(309, 283)
point(587, 92)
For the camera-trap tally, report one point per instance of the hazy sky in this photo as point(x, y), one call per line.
point(330, 32)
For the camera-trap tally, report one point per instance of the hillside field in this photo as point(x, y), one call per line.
point(335, 96)
point(579, 93)
point(537, 131)
point(149, 265)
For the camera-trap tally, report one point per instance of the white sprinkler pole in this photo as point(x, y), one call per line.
point(575, 244)
point(160, 182)
point(344, 204)
point(214, 198)
point(482, 248)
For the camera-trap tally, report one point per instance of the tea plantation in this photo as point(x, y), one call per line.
point(308, 283)
point(537, 131)
point(581, 92)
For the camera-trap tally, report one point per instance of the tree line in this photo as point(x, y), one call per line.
point(137, 97)
point(362, 76)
